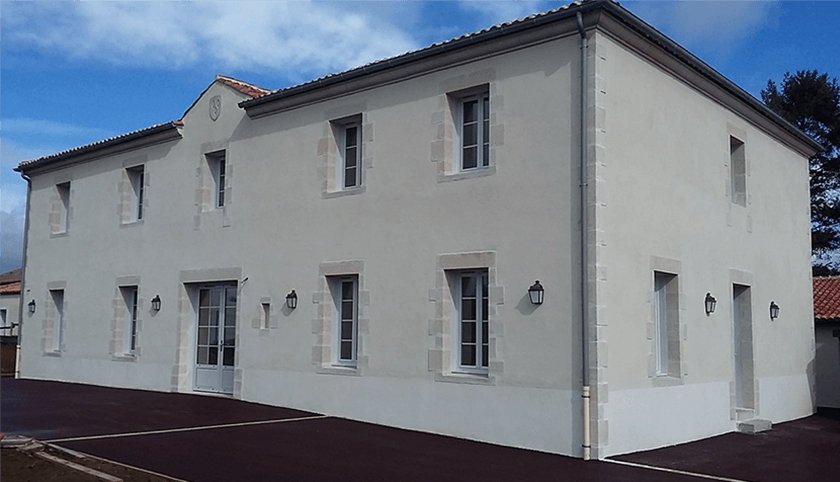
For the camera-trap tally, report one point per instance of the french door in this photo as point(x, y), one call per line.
point(215, 338)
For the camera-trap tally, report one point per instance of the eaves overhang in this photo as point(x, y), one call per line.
point(149, 136)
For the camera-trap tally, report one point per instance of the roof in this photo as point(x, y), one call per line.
point(827, 298)
point(10, 276)
point(248, 89)
point(261, 99)
point(10, 289)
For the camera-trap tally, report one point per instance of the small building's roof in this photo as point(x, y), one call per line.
point(827, 298)
point(10, 276)
point(10, 288)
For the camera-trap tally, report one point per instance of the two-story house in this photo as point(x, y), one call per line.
point(367, 244)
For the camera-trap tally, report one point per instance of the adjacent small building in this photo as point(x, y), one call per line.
point(10, 306)
point(827, 335)
point(367, 244)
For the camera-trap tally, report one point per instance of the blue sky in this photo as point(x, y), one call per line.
point(72, 73)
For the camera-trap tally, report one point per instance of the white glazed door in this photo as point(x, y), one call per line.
point(215, 339)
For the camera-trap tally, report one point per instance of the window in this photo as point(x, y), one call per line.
point(471, 303)
point(738, 171)
point(350, 143)
point(63, 206)
point(129, 294)
point(58, 320)
point(136, 178)
point(217, 168)
point(474, 131)
point(666, 324)
point(5, 330)
point(346, 296)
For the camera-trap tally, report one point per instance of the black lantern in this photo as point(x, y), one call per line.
point(31, 307)
point(291, 300)
point(156, 303)
point(536, 293)
point(711, 303)
point(774, 310)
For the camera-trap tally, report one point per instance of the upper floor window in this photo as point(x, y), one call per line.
point(474, 131)
point(350, 150)
point(738, 171)
point(136, 178)
point(217, 168)
point(63, 207)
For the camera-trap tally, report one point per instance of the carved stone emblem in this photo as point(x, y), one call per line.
point(215, 107)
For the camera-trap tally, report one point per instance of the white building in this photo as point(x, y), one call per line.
point(410, 204)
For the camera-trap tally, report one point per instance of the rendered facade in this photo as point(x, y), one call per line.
point(410, 204)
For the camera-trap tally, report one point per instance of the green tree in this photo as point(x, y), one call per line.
point(811, 101)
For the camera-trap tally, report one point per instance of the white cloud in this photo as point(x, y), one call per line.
point(498, 12)
point(287, 36)
point(48, 128)
point(718, 26)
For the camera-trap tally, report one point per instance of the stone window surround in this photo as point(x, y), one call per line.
point(323, 350)
point(119, 322)
point(677, 366)
point(205, 195)
point(50, 318)
point(444, 151)
point(442, 358)
point(328, 150)
point(740, 135)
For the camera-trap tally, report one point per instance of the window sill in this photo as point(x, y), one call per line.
point(350, 191)
point(352, 371)
point(666, 381)
point(127, 357)
point(472, 173)
point(52, 353)
point(466, 378)
point(60, 234)
point(131, 224)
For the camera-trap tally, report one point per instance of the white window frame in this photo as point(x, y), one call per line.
point(130, 296)
point(64, 206)
point(343, 149)
point(481, 312)
point(482, 141)
point(340, 317)
point(218, 169)
point(136, 176)
point(59, 320)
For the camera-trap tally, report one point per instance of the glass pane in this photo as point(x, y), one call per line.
point(347, 310)
point(470, 158)
point(468, 309)
point(230, 317)
point(213, 359)
point(350, 177)
point(347, 290)
point(214, 317)
point(203, 336)
point(486, 108)
point(350, 136)
point(230, 336)
point(467, 287)
point(485, 159)
point(470, 111)
point(350, 157)
point(202, 355)
point(346, 330)
point(468, 355)
point(467, 332)
point(346, 350)
point(204, 298)
point(213, 339)
point(484, 332)
point(228, 357)
point(485, 355)
point(470, 135)
point(215, 297)
point(204, 317)
point(230, 297)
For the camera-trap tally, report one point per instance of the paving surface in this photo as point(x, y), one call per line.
point(201, 438)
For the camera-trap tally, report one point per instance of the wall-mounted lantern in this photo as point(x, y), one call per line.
point(711, 303)
point(31, 306)
point(774, 310)
point(156, 303)
point(291, 300)
point(536, 293)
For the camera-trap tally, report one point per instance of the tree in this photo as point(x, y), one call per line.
point(811, 101)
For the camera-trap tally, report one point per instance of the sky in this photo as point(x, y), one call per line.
point(72, 73)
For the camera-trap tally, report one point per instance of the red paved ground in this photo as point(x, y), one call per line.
point(331, 448)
